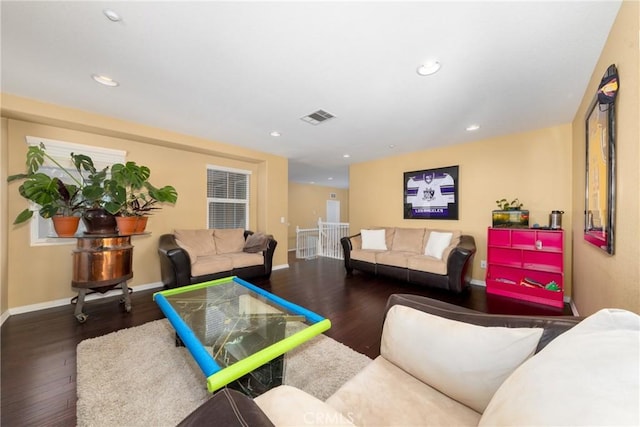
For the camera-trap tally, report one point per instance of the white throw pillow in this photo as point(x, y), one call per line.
point(437, 243)
point(466, 362)
point(373, 239)
point(587, 376)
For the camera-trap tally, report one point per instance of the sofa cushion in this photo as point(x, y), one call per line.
point(587, 376)
point(383, 394)
point(427, 264)
point(394, 258)
point(210, 264)
point(229, 240)
point(466, 362)
point(408, 240)
point(373, 239)
point(364, 255)
point(437, 243)
point(389, 234)
point(245, 259)
point(196, 242)
point(289, 406)
point(193, 255)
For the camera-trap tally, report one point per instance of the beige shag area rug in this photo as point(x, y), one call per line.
point(138, 377)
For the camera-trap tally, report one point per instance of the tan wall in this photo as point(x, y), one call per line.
point(308, 202)
point(41, 274)
point(602, 280)
point(534, 167)
point(4, 280)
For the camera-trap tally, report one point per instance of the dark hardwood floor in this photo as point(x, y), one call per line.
point(38, 378)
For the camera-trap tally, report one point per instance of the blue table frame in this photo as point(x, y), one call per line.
point(218, 376)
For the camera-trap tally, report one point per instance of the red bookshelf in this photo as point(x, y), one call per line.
point(532, 256)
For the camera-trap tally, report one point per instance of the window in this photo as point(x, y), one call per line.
point(42, 228)
point(227, 197)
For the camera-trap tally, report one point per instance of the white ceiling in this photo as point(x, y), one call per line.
point(235, 71)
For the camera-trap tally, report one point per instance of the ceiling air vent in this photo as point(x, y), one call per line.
point(317, 117)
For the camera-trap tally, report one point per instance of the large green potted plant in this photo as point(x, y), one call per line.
point(60, 201)
point(96, 217)
point(132, 197)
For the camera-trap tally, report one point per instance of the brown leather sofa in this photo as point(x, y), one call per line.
point(177, 262)
point(228, 408)
point(404, 258)
point(231, 408)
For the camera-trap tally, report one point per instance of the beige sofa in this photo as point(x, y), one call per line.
point(442, 365)
point(190, 256)
point(435, 258)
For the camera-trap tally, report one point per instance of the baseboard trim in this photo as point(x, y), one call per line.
point(65, 301)
point(4, 316)
point(280, 267)
point(574, 309)
point(478, 282)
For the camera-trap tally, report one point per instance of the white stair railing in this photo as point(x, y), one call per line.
point(306, 243)
point(330, 234)
point(322, 241)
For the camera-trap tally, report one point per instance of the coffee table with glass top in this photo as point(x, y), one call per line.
point(238, 332)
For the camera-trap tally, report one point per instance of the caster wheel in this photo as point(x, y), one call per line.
point(81, 318)
point(127, 308)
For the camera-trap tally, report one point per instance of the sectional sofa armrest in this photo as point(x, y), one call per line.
point(460, 263)
point(227, 408)
point(346, 249)
point(552, 325)
point(175, 264)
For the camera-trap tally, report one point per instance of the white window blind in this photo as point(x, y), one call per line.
point(41, 228)
point(227, 197)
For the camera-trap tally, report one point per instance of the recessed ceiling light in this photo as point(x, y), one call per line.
point(275, 133)
point(428, 68)
point(330, 178)
point(111, 15)
point(392, 146)
point(104, 80)
point(471, 128)
point(346, 156)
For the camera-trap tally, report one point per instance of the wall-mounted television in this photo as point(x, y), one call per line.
point(431, 193)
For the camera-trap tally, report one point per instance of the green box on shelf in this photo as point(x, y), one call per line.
point(510, 219)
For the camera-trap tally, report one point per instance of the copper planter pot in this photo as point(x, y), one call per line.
point(102, 262)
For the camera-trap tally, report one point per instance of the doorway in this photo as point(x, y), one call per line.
point(333, 211)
